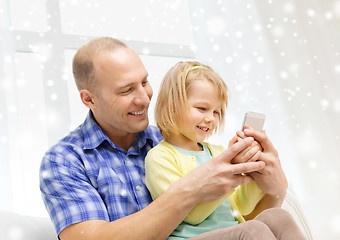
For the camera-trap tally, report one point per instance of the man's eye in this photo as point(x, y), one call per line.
point(126, 91)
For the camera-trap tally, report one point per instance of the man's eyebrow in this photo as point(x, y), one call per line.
point(125, 86)
point(132, 83)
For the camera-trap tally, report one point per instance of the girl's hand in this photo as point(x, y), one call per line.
point(251, 153)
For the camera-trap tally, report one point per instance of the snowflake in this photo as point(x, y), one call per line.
point(337, 8)
point(54, 96)
point(238, 34)
point(329, 15)
point(216, 47)
point(257, 27)
point(336, 105)
point(337, 68)
point(335, 223)
point(284, 75)
point(216, 26)
point(246, 67)
point(15, 232)
point(146, 51)
point(4, 139)
point(313, 165)
point(260, 59)
point(289, 8)
point(229, 59)
point(311, 13)
point(324, 103)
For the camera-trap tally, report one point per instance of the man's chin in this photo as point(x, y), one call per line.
point(141, 126)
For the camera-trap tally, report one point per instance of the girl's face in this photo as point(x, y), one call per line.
point(203, 116)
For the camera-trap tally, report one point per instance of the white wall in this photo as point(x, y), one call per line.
point(277, 57)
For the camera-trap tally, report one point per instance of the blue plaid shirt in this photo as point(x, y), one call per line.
point(85, 176)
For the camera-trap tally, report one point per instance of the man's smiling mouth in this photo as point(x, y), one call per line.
point(138, 112)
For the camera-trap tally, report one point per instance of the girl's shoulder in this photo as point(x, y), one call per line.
point(215, 149)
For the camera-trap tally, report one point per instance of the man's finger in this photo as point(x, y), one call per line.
point(260, 137)
point(235, 149)
point(243, 179)
point(233, 140)
point(247, 167)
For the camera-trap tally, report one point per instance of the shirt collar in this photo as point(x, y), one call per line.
point(94, 136)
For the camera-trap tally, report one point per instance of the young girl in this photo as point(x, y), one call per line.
point(190, 107)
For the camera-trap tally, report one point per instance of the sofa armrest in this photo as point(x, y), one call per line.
point(292, 205)
point(16, 226)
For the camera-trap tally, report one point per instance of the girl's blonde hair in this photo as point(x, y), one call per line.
point(172, 99)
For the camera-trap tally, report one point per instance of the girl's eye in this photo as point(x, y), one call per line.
point(201, 108)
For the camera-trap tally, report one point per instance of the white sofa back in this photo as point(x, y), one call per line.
point(18, 227)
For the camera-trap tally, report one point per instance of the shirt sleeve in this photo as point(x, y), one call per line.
point(68, 194)
point(162, 169)
point(247, 196)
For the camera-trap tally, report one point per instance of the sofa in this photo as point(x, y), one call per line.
point(16, 227)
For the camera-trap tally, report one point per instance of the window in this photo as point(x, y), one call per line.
point(41, 100)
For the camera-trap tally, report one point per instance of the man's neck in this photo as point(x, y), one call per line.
point(123, 141)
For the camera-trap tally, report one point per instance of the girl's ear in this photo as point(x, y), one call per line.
point(87, 97)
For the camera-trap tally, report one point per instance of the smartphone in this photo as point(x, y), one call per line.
point(255, 120)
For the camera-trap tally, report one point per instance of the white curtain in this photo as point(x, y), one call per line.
point(279, 57)
point(282, 58)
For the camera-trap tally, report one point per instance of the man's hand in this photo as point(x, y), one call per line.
point(249, 154)
point(270, 179)
point(218, 176)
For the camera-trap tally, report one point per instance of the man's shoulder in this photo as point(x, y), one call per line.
point(72, 141)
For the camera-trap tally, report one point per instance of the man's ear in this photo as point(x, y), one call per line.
point(87, 97)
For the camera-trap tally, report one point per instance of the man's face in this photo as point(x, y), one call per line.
point(124, 93)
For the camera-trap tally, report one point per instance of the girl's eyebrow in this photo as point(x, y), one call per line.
point(210, 105)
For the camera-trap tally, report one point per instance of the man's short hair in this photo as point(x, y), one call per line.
point(84, 71)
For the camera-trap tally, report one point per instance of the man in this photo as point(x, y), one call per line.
point(92, 181)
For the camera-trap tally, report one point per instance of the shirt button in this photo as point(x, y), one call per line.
point(138, 187)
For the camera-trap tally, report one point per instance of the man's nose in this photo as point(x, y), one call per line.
point(142, 97)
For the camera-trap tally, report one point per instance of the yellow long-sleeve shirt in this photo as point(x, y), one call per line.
point(164, 165)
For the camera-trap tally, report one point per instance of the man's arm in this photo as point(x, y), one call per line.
point(270, 179)
point(210, 181)
point(266, 202)
point(156, 221)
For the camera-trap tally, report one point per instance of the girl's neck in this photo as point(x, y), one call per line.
point(184, 143)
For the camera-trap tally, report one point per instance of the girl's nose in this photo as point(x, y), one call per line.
point(209, 118)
